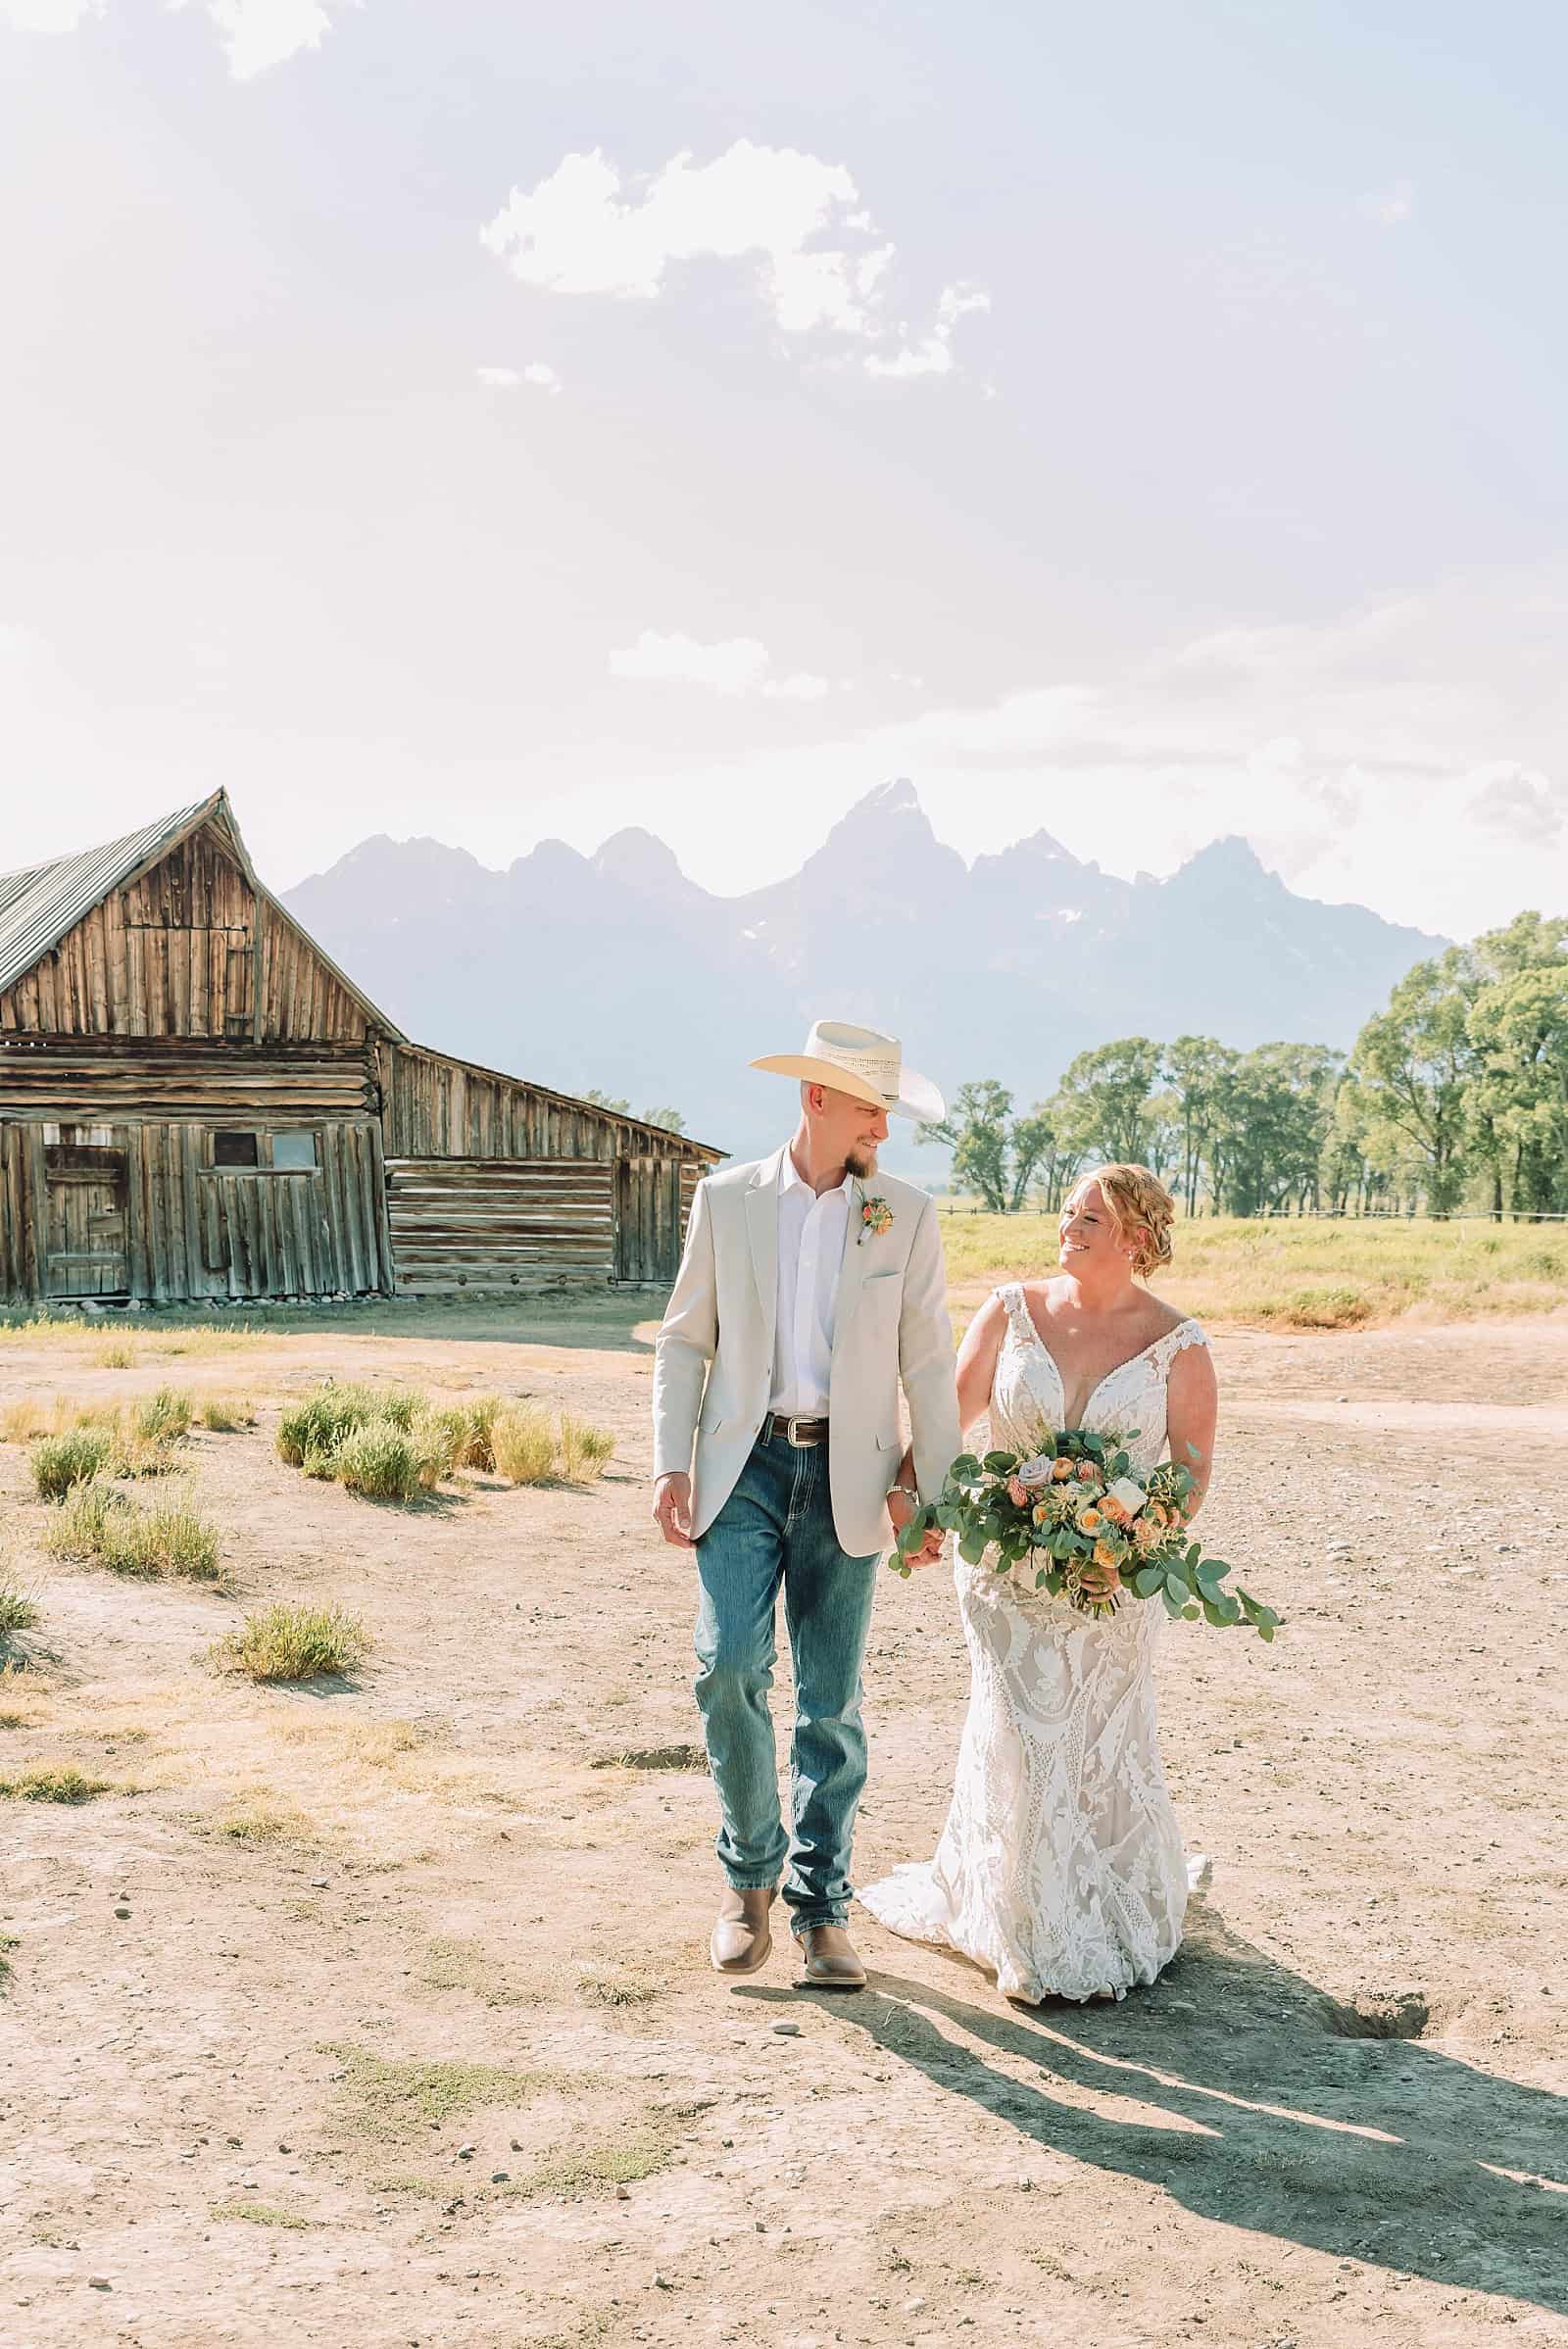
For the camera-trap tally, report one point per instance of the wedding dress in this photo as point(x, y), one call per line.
point(1061, 1865)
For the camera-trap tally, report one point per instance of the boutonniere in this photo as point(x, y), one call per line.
point(876, 1217)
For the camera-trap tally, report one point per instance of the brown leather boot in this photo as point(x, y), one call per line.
point(830, 1960)
point(742, 1938)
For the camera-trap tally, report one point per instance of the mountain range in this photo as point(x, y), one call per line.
point(619, 972)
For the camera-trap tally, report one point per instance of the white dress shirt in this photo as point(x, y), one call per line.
point(813, 1231)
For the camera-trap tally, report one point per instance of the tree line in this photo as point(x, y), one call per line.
point(1454, 1097)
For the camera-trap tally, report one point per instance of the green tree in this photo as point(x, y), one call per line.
point(1415, 1066)
point(1519, 1028)
point(1104, 1107)
point(603, 1101)
point(994, 1153)
point(1195, 1069)
point(671, 1119)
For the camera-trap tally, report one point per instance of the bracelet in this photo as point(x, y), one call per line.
point(909, 1491)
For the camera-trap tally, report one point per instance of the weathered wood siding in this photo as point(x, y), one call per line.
point(187, 950)
point(488, 1224)
point(436, 1107)
point(94, 1080)
point(649, 1227)
point(196, 1231)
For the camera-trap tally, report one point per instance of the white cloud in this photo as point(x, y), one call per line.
point(795, 218)
point(48, 15)
point(1391, 207)
point(737, 667)
point(260, 34)
point(513, 378)
point(1524, 807)
point(933, 355)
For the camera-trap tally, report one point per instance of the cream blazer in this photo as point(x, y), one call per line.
point(714, 1365)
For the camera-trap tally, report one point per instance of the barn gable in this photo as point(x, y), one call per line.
point(168, 932)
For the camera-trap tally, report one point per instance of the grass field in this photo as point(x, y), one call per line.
point(1304, 1274)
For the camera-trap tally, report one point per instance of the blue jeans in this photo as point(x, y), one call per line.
point(777, 1526)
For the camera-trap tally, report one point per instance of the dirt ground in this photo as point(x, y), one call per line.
point(378, 2012)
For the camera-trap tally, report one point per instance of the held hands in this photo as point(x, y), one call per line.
point(903, 1509)
point(672, 1509)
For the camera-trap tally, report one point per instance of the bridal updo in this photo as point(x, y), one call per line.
point(1139, 1202)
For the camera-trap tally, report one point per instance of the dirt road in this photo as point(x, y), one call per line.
point(377, 2014)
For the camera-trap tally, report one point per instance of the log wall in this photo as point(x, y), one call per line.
point(97, 1080)
point(487, 1225)
point(436, 1107)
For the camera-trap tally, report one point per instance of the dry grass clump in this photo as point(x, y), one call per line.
point(18, 1610)
point(524, 1447)
point(162, 1418)
point(225, 1414)
point(258, 1819)
point(528, 1450)
point(117, 1354)
point(73, 1442)
point(585, 1449)
point(63, 1783)
point(60, 1463)
point(103, 1527)
point(382, 1462)
point(292, 1643)
point(469, 1430)
point(385, 1445)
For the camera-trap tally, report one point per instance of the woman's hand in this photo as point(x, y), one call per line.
point(1101, 1582)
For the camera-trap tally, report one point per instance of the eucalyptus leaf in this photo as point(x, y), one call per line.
point(1148, 1580)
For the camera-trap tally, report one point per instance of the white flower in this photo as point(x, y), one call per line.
point(1130, 1495)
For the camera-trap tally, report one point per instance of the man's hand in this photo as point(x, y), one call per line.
point(672, 1509)
point(902, 1505)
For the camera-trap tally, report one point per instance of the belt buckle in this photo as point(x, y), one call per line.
point(790, 1425)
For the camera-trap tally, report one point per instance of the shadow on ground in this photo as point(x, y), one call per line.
point(1389, 2150)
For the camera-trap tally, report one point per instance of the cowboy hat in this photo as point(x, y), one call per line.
point(864, 1063)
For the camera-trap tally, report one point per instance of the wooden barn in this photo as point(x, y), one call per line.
point(196, 1103)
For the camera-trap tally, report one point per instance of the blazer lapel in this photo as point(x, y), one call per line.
point(852, 1270)
point(762, 1227)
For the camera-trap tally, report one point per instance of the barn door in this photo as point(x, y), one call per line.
point(648, 1221)
point(85, 1248)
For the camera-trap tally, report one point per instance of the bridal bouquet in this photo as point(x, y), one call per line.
point(1075, 1505)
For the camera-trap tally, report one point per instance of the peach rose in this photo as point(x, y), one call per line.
point(1104, 1555)
point(1088, 1473)
point(1146, 1535)
point(1090, 1519)
point(1116, 1510)
point(1061, 1470)
point(1016, 1493)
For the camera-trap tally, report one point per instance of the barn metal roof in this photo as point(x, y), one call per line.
point(40, 904)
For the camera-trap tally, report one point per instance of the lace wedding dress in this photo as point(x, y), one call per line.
point(1061, 1865)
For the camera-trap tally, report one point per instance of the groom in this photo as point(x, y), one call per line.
point(810, 1287)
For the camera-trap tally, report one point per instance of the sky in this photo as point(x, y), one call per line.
point(499, 423)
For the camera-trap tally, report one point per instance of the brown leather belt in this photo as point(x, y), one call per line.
point(796, 1430)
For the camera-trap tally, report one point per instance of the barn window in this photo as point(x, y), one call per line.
point(235, 1149)
point(293, 1151)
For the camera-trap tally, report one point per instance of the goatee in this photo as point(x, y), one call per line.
point(860, 1163)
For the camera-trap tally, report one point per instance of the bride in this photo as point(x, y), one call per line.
point(1061, 1865)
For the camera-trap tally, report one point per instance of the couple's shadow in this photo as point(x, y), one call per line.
point(1388, 2151)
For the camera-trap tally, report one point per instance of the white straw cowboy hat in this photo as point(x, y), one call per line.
point(862, 1062)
